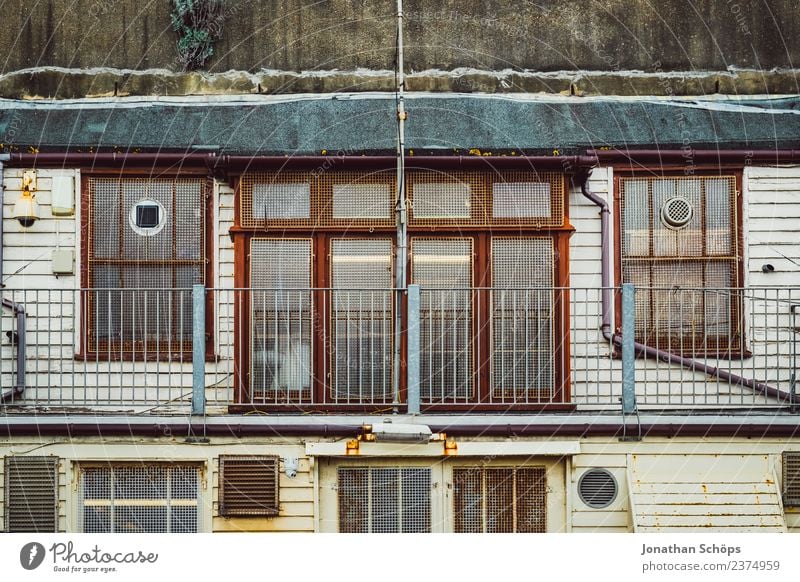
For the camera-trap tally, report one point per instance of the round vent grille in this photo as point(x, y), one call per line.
point(677, 212)
point(597, 488)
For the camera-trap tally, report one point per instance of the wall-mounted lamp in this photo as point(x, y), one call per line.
point(26, 210)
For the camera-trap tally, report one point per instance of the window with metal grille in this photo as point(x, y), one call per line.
point(280, 319)
point(361, 276)
point(384, 499)
point(679, 247)
point(145, 249)
point(31, 494)
point(500, 499)
point(523, 350)
point(443, 269)
point(248, 485)
point(149, 498)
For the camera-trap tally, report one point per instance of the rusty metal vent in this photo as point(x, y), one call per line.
point(597, 488)
point(248, 485)
point(147, 236)
point(139, 498)
point(384, 499)
point(500, 499)
point(791, 478)
point(677, 212)
point(31, 494)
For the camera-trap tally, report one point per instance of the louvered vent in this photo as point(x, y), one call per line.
point(791, 478)
point(31, 492)
point(248, 485)
point(597, 488)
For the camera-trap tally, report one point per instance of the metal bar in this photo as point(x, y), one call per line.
point(412, 358)
point(198, 349)
point(628, 352)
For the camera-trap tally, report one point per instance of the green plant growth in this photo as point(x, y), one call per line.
point(198, 24)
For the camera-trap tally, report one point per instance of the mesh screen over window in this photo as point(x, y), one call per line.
point(523, 351)
point(280, 319)
point(135, 273)
point(361, 275)
point(384, 499)
point(500, 499)
point(683, 269)
point(443, 269)
point(157, 498)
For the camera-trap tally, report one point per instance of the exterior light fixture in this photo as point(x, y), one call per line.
point(26, 210)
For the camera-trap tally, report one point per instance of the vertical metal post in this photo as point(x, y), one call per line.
point(412, 363)
point(628, 348)
point(198, 349)
point(21, 348)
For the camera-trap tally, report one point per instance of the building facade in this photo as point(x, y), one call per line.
point(595, 329)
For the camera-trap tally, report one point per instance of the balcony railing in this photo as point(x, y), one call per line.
point(213, 351)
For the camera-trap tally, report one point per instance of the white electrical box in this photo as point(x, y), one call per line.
point(63, 196)
point(63, 262)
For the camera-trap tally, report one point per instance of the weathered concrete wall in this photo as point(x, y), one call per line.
point(299, 35)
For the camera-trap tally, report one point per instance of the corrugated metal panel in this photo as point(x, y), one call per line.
point(500, 499)
point(31, 494)
point(384, 499)
point(248, 485)
point(132, 498)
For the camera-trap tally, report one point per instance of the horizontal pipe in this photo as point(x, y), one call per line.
point(164, 427)
point(322, 163)
point(690, 156)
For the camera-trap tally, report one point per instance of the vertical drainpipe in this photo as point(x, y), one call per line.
point(3, 158)
point(402, 244)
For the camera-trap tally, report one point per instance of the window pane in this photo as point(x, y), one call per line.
point(280, 319)
point(276, 201)
point(521, 200)
point(361, 272)
point(522, 319)
point(441, 200)
point(720, 208)
point(443, 269)
point(362, 201)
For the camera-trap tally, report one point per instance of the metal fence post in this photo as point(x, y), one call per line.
point(412, 361)
point(628, 348)
point(198, 349)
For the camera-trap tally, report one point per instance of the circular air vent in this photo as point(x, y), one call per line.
point(147, 217)
point(597, 488)
point(677, 212)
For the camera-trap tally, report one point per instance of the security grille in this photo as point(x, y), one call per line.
point(443, 269)
point(597, 488)
point(442, 200)
point(679, 238)
point(521, 200)
point(156, 498)
point(280, 319)
point(791, 478)
point(500, 499)
point(361, 275)
point(31, 494)
point(522, 319)
point(135, 272)
point(321, 198)
point(384, 499)
point(248, 485)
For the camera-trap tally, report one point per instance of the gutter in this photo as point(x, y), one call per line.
point(690, 156)
point(643, 349)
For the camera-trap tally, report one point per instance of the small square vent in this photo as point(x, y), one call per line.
point(248, 485)
point(791, 478)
